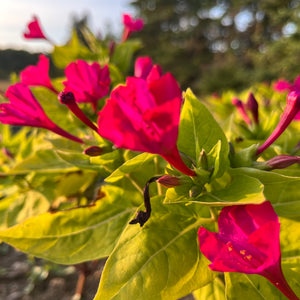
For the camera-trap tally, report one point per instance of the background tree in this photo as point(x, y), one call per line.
point(218, 44)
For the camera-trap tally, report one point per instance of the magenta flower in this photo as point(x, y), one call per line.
point(25, 110)
point(34, 30)
point(88, 82)
point(130, 26)
point(144, 116)
point(241, 109)
point(145, 69)
point(291, 110)
point(282, 85)
point(247, 242)
point(142, 67)
point(38, 75)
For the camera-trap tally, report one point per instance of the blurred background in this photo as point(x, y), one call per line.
point(209, 45)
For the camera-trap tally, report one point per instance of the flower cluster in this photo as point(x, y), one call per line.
point(143, 114)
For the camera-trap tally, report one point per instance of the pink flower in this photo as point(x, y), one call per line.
point(144, 116)
point(38, 75)
point(145, 69)
point(25, 110)
point(247, 242)
point(241, 109)
point(291, 110)
point(131, 25)
point(142, 67)
point(34, 30)
point(282, 86)
point(88, 82)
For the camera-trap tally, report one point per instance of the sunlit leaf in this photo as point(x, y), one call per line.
point(76, 235)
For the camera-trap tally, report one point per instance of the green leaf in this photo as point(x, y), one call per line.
point(63, 55)
point(42, 161)
point(257, 287)
point(213, 291)
point(4, 206)
point(25, 206)
point(76, 235)
point(161, 260)
point(138, 162)
point(123, 54)
point(281, 190)
point(199, 130)
point(224, 191)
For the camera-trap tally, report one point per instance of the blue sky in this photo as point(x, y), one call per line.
point(55, 18)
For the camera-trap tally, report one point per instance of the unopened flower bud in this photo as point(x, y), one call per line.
point(282, 161)
point(290, 111)
point(241, 109)
point(93, 151)
point(252, 106)
point(203, 163)
point(169, 181)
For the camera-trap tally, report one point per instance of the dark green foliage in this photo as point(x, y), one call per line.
point(221, 44)
point(15, 61)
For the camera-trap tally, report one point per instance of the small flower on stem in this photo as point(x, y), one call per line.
point(247, 242)
point(34, 30)
point(144, 116)
point(281, 162)
point(25, 110)
point(290, 111)
point(68, 99)
point(252, 106)
point(241, 109)
point(38, 75)
point(88, 82)
point(130, 26)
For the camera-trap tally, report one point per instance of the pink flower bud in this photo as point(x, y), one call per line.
point(93, 151)
point(169, 181)
point(241, 109)
point(252, 106)
point(282, 161)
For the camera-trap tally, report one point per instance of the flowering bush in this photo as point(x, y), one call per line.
point(123, 164)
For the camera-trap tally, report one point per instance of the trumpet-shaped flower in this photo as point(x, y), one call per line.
point(38, 75)
point(247, 242)
point(131, 25)
point(290, 112)
point(34, 30)
point(88, 82)
point(144, 116)
point(25, 110)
